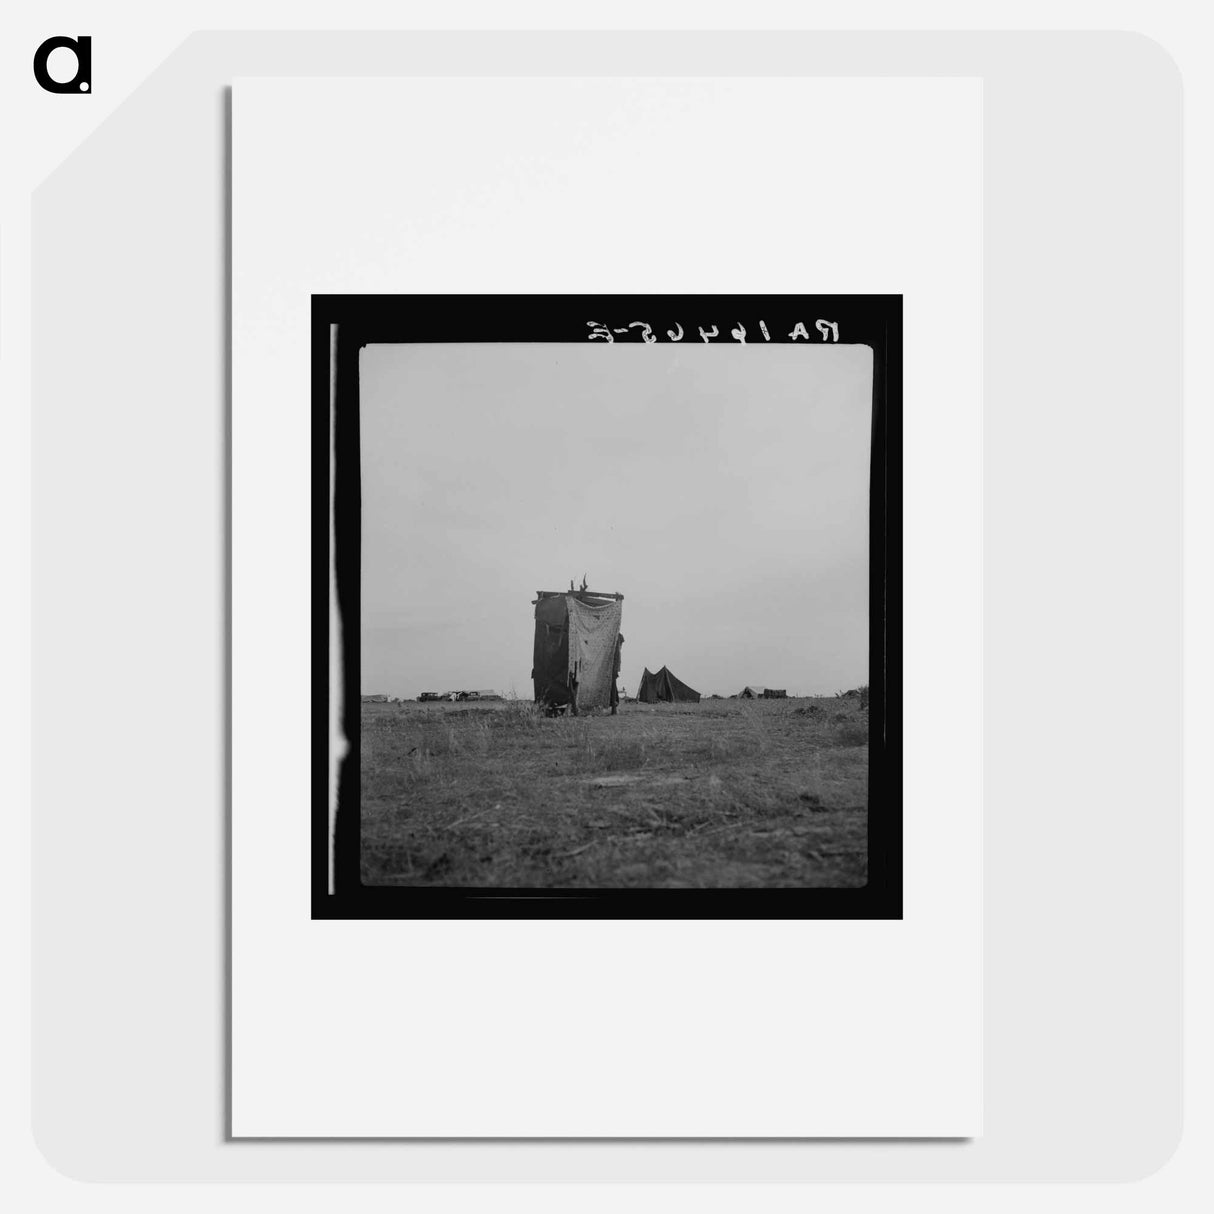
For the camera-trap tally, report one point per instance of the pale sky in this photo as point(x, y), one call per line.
point(721, 488)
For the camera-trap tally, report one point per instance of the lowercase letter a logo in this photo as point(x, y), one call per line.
point(82, 48)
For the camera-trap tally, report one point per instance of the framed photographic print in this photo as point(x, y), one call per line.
point(610, 590)
point(572, 615)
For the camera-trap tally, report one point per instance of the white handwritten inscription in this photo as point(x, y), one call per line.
point(829, 330)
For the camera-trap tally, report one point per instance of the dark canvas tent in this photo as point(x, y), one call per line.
point(663, 687)
point(576, 654)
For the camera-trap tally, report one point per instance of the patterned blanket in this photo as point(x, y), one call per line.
point(592, 638)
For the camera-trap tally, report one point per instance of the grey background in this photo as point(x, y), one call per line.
point(1082, 617)
point(723, 489)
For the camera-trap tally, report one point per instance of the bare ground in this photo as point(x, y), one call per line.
point(725, 793)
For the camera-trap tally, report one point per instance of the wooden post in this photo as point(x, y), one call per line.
point(589, 594)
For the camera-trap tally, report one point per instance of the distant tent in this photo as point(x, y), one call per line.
point(665, 688)
point(762, 693)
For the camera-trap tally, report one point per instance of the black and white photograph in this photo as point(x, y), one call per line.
point(609, 606)
point(531, 524)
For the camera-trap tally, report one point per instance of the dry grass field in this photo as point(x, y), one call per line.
point(720, 794)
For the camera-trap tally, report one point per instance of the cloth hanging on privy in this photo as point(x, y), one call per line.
point(594, 629)
point(664, 688)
